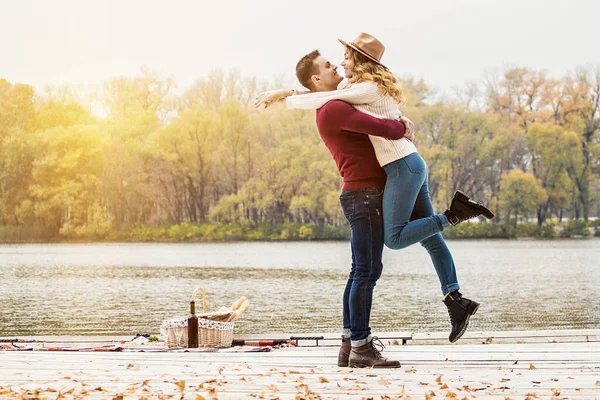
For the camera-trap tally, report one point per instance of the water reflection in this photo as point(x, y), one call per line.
point(294, 287)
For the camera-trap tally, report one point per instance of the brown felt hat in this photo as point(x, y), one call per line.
point(368, 46)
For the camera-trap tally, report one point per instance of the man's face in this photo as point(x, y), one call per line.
point(328, 78)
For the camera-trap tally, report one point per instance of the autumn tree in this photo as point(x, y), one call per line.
point(520, 195)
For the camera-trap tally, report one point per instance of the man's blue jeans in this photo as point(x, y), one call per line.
point(363, 210)
point(409, 217)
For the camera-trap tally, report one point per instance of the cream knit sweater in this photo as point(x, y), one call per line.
point(367, 98)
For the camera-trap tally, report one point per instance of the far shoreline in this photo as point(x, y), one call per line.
point(227, 241)
point(214, 232)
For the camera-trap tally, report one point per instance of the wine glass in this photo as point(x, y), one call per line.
point(179, 335)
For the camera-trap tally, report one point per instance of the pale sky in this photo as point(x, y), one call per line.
point(445, 42)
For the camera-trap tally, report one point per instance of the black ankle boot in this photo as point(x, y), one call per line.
point(460, 310)
point(462, 209)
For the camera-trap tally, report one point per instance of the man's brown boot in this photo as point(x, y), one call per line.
point(344, 352)
point(367, 356)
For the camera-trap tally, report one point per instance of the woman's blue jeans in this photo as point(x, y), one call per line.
point(409, 217)
point(363, 210)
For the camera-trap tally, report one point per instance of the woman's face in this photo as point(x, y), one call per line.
point(347, 64)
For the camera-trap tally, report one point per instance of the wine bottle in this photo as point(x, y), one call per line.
point(193, 327)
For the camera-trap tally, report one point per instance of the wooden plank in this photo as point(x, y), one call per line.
point(330, 338)
point(485, 371)
point(512, 334)
point(65, 339)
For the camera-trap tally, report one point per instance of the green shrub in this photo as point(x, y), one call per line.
point(575, 228)
point(471, 230)
point(24, 234)
point(305, 232)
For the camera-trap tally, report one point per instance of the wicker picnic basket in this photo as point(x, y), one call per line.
point(214, 329)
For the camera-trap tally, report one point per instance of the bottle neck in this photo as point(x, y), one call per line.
point(193, 307)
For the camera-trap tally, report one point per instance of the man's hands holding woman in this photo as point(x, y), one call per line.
point(410, 128)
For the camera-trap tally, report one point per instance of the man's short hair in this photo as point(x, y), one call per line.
point(306, 68)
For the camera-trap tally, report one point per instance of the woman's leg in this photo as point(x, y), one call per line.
point(435, 245)
point(405, 180)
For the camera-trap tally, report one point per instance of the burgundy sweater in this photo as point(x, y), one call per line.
point(344, 131)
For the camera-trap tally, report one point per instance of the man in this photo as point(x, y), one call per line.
point(345, 131)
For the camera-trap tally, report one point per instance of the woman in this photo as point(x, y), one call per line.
point(407, 209)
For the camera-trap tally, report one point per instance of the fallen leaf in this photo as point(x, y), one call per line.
point(597, 383)
point(515, 363)
point(531, 366)
point(439, 380)
point(198, 397)
point(180, 385)
point(384, 382)
point(451, 395)
point(272, 388)
point(423, 383)
point(322, 379)
point(444, 386)
point(429, 395)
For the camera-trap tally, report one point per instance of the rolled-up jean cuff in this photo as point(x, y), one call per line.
point(443, 220)
point(450, 289)
point(346, 333)
point(361, 342)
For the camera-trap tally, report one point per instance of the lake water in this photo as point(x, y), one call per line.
point(294, 287)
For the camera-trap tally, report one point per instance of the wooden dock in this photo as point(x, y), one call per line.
point(498, 365)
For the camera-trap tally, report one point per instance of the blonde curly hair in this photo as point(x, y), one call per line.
point(366, 70)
